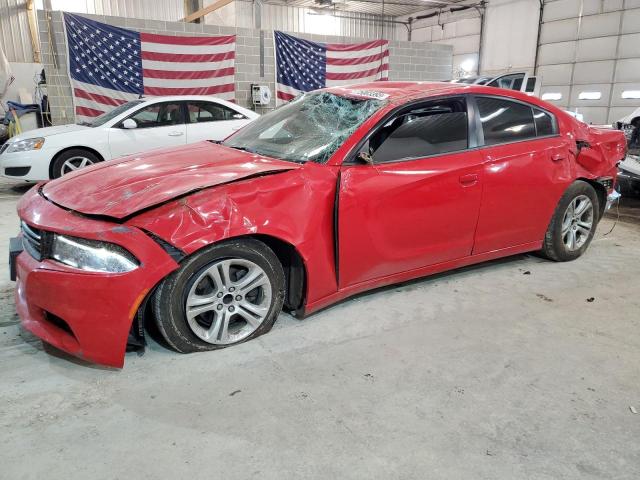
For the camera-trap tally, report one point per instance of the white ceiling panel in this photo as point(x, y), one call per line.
point(593, 72)
point(561, 9)
point(629, 46)
point(596, 49)
point(555, 74)
point(628, 70)
point(559, 31)
point(599, 25)
point(557, 53)
point(631, 21)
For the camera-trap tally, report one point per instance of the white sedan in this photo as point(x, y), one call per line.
point(130, 128)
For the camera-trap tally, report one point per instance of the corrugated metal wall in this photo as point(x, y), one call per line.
point(147, 9)
point(14, 26)
point(302, 20)
point(14, 31)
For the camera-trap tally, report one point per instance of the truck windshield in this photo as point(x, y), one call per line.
point(308, 129)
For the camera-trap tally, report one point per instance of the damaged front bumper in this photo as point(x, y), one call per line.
point(86, 314)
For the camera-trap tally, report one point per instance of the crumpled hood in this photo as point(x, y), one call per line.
point(123, 187)
point(49, 131)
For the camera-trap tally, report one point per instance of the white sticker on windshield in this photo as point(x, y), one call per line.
point(370, 94)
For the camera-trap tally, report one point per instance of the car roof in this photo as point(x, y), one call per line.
point(176, 98)
point(403, 92)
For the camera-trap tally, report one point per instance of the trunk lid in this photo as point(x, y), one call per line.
point(123, 187)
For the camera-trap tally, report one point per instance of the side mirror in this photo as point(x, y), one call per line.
point(129, 123)
point(364, 157)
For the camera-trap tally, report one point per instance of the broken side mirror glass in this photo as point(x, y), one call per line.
point(364, 157)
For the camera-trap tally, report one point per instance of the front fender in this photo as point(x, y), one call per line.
point(296, 207)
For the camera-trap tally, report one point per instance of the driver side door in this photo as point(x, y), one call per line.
point(417, 204)
point(160, 125)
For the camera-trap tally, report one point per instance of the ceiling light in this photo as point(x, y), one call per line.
point(631, 94)
point(590, 96)
point(551, 96)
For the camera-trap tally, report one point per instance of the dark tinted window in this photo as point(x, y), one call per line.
point(431, 129)
point(159, 115)
point(505, 121)
point(531, 84)
point(200, 112)
point(544, 123)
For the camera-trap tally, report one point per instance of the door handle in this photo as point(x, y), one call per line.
point(468, 180)
point(558, 157)
point(175, 134)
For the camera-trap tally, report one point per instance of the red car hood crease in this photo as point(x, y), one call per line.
point(121, 188)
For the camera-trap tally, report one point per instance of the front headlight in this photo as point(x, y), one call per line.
point(26, 145)
point(92, 255)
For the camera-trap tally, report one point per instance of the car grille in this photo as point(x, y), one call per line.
point(32, 240)
point(3, 147)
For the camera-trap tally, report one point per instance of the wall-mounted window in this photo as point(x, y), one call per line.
point(551, 96)
point(631, 94)
point(589, 95)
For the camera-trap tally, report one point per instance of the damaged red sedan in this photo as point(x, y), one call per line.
point(340, 191)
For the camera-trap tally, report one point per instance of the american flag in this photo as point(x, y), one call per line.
point(303, 65)
point(110, 65)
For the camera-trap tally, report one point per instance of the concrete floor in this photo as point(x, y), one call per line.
point(515, 369)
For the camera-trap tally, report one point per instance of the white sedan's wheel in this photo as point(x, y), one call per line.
point(75, 163)
point(71, 160)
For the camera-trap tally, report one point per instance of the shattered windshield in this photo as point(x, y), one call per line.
point(310, 128)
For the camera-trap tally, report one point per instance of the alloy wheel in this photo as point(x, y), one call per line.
point(577, 222)
point(75, 163)
point(228, 301)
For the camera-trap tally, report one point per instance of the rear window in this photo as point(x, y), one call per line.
point(504, 121)
point(544, 123)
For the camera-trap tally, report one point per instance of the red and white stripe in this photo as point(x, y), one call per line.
point(175, 65)
point(349, 64)
point(91, 100)
point(357, 63)
point(171, 65)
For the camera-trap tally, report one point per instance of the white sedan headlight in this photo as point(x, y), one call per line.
point(26, 145)
point(92, 255)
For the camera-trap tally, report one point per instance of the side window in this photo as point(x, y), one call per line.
point(545, 124)
point(531, 85)
point(504, 121)
point(429, 129)
point(200, 112)
point(159, 115)
point(510, 82)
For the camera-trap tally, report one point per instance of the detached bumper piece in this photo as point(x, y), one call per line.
point(15, 249)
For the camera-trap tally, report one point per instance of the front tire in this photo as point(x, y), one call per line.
point(224, 295)
point(573, 223)
point(71, 160)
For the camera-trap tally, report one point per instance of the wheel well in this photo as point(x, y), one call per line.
point(601, 192)
point(294, 270)
point(53, 160)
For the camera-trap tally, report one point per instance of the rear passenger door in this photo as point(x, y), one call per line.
point(211, 121)
point(526, 169)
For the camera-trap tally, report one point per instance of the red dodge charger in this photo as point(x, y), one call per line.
point(340, 191)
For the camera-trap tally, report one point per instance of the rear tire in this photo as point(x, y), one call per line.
point(71, 160)
point(573, 223)
point(224, 295)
